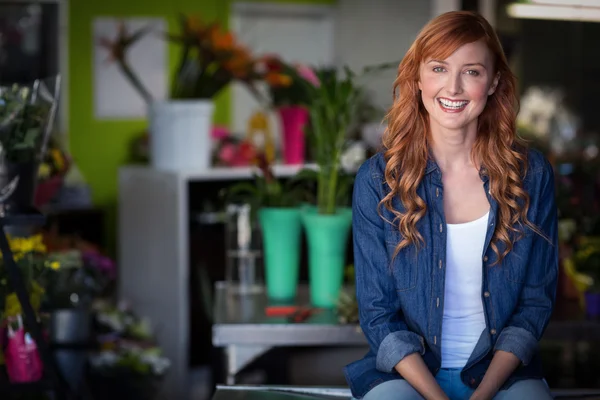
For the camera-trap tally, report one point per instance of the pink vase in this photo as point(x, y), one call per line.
point(293, 121)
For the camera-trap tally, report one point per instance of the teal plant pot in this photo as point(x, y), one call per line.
point(281, 229)
point(327, 239)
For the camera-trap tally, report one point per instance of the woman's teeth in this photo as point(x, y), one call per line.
point(453, 105)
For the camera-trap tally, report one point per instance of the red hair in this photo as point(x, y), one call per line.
point(497, 146)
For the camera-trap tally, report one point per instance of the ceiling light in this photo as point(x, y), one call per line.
point(554, 12)
point(572, 3)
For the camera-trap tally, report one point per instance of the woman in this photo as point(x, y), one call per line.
point(455, 230)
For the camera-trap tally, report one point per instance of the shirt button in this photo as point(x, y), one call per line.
point(493, 331)
point(441, 228)
point(440, 263)
point(438, 302)
point(437, 192)
point(485, 258)
point(487, 294)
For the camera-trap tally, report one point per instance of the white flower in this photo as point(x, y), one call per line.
point(105, 358)
point(112, 320)
point(538, 107)
point(371, 134)
point(158, 364)
point(353, 157)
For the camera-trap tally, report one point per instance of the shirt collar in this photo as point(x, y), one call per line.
point(432, 166)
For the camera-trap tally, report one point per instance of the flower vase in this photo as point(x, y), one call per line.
point(592, 305)
point(293, 120)
point(180, 134)
point(327, 238)
point(71, 326)
point(281, 229)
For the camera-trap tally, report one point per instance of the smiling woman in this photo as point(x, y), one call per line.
point(455, 230)
point(455, 91)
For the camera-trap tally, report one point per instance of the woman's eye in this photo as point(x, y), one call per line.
point(438, 69)
point(473, 72)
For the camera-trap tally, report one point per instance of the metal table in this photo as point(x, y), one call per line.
point(251, 392)
point(261, 392)
point(242, 328)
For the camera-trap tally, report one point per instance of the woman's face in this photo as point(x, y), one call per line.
point(455, 90)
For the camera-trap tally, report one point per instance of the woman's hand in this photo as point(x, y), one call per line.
point(502, 366)
point(413, 369)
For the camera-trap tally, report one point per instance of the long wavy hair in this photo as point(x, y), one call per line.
point(497, 147)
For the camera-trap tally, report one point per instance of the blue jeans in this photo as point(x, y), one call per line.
point(450, 382)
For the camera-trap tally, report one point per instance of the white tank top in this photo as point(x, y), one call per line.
point(463, 318)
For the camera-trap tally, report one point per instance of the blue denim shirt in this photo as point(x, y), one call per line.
point(401, 307)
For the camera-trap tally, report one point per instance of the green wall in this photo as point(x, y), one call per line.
point(101, 147)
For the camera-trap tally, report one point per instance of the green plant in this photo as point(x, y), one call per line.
point(23, 123)
point(587, 259)
point(347, 304)
point(267, 190)
point(333, 109)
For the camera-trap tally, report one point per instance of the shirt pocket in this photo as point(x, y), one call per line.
point(514, 272)
point(524, 269)
point(404, 265)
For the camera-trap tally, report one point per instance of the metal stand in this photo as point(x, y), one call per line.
point(52, 380)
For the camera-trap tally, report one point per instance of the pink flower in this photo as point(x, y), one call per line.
point(308, 74)
point(219, 132)
point(228, 153)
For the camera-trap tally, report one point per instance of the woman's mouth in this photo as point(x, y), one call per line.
point(452, 106)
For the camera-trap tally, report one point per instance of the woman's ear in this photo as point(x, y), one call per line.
point(494, 85)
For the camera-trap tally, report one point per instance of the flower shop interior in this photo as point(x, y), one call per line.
point(186, 229)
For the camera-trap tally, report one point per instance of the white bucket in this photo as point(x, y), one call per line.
point(180, 134)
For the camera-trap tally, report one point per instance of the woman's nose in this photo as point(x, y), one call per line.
point(454, 84)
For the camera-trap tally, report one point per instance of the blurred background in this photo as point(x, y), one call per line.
point(188, 233)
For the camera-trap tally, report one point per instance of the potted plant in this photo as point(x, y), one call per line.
point(210, 60)
point(289, 95)
point(277, 205)
point(587, 262)
point(333, 110)
point(26, 119)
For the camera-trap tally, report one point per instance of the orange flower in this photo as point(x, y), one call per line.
point(273, 63)
point(193, 24)
point(278, 80)
point(222, 41)
point(238, 67)
point(206, 35)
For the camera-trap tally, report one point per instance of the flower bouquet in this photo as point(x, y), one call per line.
point(290, 95)
point(51, 174)
point(26, 119)
point(129, 362)
point(84, 276)
point(210, 59)
point(18, 349)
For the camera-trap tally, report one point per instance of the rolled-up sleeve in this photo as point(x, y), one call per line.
point(379, 306)
point(526, 326)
